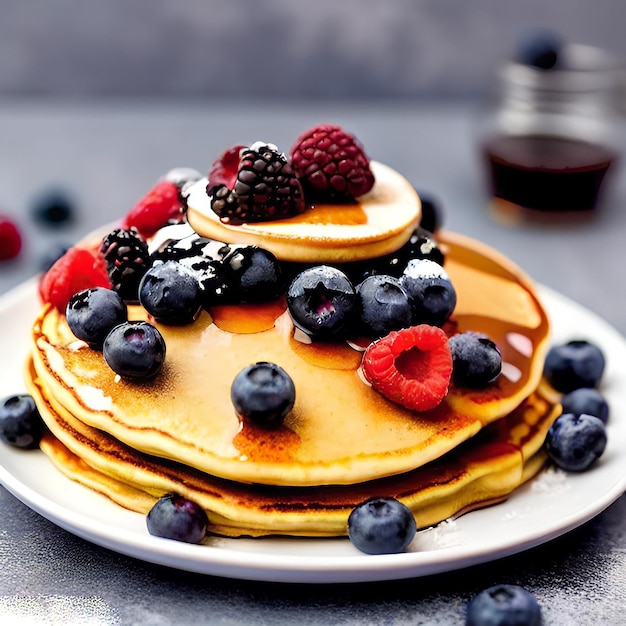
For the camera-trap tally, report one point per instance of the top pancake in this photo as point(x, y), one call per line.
point(340, 430)
point(379, 223)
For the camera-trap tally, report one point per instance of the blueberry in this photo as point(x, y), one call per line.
point(211, 275)
point(574, 364)
point(586, 400)
point(421, 245)
point(476, 359)
point(92, 313)
point(263, 393)
point(134, 350)
point(540, 49)
point(384, 306)
point(175, 517)
point(21, 425)
point(253, 274)
point(171, 246)
point(575, 442)
point(381, 526)
point(322, 301)
point(432, 294)
point(503, 605)
point(432, 213)
point(53, 208)
point(171, 293)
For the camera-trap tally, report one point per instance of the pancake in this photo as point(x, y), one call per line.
point(379, 223)
point(480, 472)
point(346, 434)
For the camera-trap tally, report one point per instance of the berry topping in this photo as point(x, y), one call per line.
point(331, 164)
point(574, 364)
point(411, 366)
point(476, 360)
point(432, 294)
point(322, 301)
point(92, 313)
point(503, 605)
point(254, 184)
point(575, 442)
point(134, 350)
point(253, 274)
point(127, 260)
point(174, 517)
point(21, 425)
point(381, 526)
point(160, 206)
point(171, 293)
point(263, 393)
point(540, 49)
point(10, 239)
point(586, 400)
point(384, 306)
point(53, 208)
point(76, 270)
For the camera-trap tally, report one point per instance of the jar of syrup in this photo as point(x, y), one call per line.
point(553, 136)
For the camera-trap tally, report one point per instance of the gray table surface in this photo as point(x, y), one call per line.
point(106, 155)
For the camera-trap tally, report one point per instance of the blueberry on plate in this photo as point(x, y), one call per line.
point(21, 425)
point(175, 517)
point(171, 293)
point(431, 291)
point(384, 306)
point(322, 301)
point(92, 313)
point(263, 393)
point(586, 400)
point(134, 350)
point(574, 364)
point(575, 442)
point(503, 605)
point(476, 359)
point(381, 526)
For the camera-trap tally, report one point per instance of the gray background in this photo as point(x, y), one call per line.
point(279, 48)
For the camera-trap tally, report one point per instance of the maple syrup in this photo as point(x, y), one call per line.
point(543, 173)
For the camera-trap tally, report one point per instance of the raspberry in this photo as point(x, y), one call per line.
point(160, 206)
point(254, 184)
point(411, 366)
point(10, 239)
point(77, 269)
point(331, 164)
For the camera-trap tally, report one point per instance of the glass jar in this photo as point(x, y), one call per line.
point(553, 136)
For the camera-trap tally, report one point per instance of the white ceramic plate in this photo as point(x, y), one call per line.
point(549, 506)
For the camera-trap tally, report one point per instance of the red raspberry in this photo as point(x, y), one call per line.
point(331, 164)
point(77, 269)
point(254, 184)
point(10, 239)
point(411, 366)
point(156, 209)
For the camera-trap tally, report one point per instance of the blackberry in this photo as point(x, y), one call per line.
point(264, 186)
point(127, 260)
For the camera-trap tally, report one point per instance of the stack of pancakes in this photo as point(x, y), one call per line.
point(343, 442)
